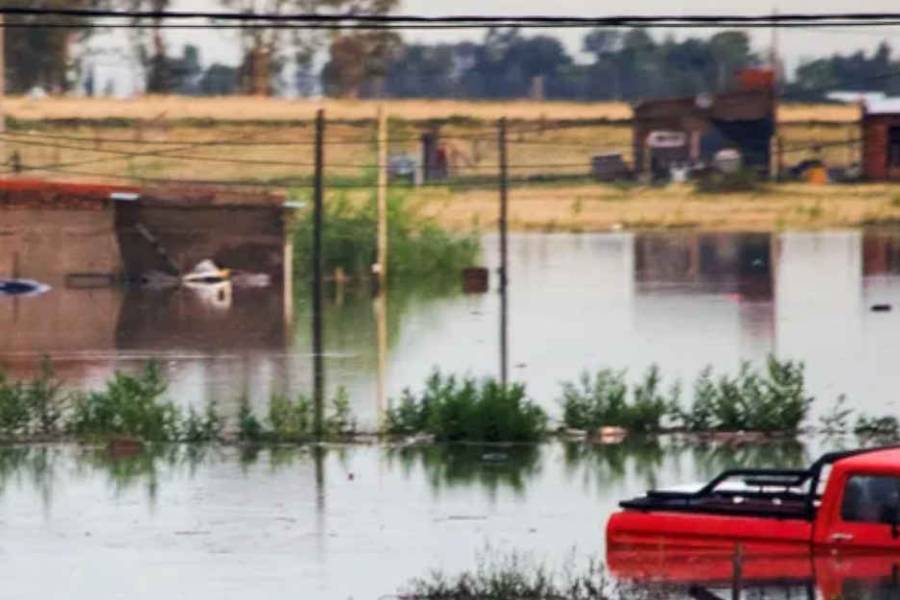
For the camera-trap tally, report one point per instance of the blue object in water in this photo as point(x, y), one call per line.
point(22, 287)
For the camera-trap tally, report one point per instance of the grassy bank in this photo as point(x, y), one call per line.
point(237, 108)
point(594, 207)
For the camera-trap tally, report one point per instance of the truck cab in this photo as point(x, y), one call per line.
point(860, 508)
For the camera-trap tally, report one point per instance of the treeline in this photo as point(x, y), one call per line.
point(624, 65)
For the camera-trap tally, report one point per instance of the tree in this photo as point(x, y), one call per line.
point(150, 47)
point(42, 56)
point(266, 50)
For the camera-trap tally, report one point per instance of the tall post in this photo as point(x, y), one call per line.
point(504, 281)
point(381, 299)
point(3, 157)
point(318, 208)
point(382, 197)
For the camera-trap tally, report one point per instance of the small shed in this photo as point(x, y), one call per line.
point(742, 120)
point(881, 139)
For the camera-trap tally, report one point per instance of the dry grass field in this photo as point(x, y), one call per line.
point(607, 208)
point(161, 108)
point(268, 141)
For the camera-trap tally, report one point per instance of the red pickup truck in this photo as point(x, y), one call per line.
point(845, 501)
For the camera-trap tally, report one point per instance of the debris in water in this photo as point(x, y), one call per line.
point(22, 287)
point(206, 273)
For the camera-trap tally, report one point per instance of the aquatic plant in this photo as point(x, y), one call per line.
point(773, 399)
point(769, 400)
point(603, 400)
point(293, 421)
point(419, 247)
point(516, 575)
point(454, 410)
point(128, 406)
point(33, 407)
point(202, 428)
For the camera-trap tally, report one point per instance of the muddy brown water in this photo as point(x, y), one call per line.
point(359, 522)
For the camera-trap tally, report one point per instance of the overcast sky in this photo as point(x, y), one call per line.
point(796, 45)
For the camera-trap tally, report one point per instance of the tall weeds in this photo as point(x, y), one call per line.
point(32, 408)
point(772, 399)
point(419, 246)
point(455, 410)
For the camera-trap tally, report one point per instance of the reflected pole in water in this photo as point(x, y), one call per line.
point(318, 208)
point(379, 307)
point(503, 224)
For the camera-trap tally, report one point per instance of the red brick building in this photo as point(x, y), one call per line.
point(881, 140)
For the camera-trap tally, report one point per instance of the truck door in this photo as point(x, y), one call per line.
point(869, 513)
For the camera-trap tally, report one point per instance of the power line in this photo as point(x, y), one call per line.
point(381, 21)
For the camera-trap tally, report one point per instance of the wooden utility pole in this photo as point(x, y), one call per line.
point(382, 198)
point(317, 268)
point(380, 305)
point(504, 226)
point(3, 157)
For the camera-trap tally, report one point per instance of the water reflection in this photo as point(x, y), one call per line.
point(783, 577)
point(681, 300)
point(487, 467)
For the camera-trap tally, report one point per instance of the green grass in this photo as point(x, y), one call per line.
point(418, 247)
point(468, 410)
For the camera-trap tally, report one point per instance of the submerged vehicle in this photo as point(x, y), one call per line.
point(22, 287)
point(844, 502)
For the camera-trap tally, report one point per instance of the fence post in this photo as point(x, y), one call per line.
point(504, 226)
point(317, 268)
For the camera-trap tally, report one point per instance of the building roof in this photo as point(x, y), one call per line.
point(883, 106)
point(742, 105)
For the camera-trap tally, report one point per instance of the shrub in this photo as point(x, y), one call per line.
point(14, 415)
point(33, 407)
point(131, 406)
point(419, 246)
point(603, 400)
point(455, 410)
point(293, 422)
point(772, 400)
point(207, 427)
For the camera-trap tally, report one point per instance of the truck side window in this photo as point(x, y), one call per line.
point(871, 499)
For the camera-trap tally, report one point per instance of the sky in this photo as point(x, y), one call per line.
point(795, 45)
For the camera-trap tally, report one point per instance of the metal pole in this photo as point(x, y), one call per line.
point(504, 225)
point(318, 202)
point(382, 198)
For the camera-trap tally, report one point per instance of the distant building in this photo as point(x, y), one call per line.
point(881, 139)
point(691, 131)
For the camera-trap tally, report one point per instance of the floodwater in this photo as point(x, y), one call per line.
point(341, 522)
point(361, 521)
point(580, 301)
